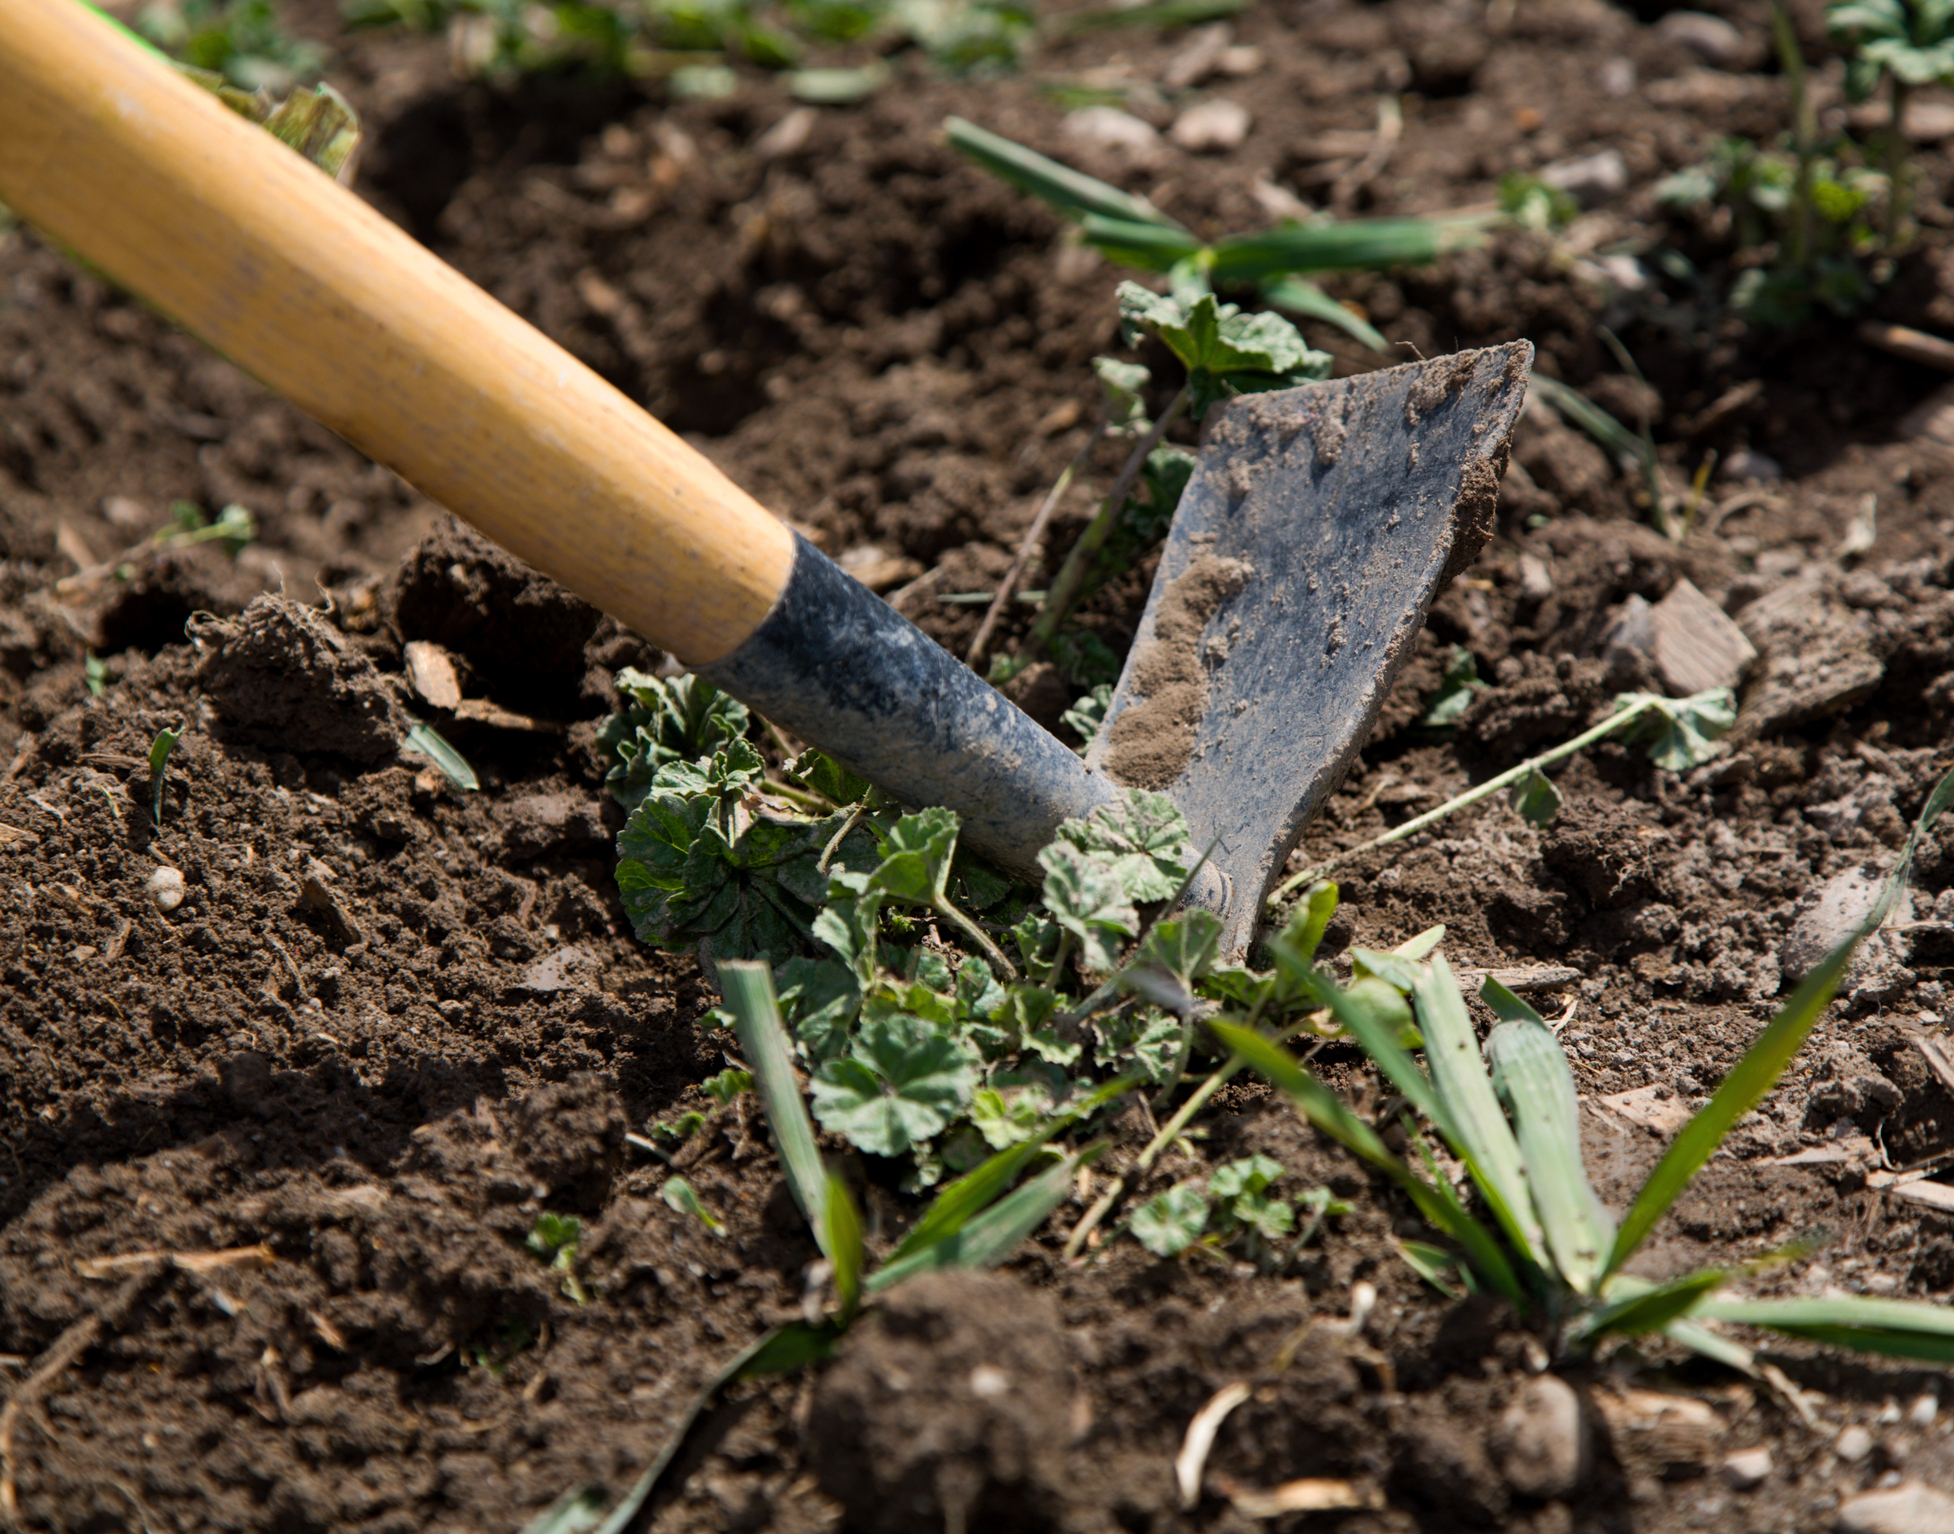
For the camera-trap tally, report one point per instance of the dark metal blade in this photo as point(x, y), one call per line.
point(1317, 528)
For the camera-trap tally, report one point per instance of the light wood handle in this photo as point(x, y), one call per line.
point(301, 284)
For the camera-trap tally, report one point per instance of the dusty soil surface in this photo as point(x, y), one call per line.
point(388, 1024)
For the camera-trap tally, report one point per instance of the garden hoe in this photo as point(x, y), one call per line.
point(1317, 528)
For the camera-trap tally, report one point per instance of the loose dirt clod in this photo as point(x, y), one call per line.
point(1150, 742)
point(948, 1410)
point(283, 677)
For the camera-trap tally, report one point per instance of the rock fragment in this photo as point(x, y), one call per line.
point(1747, 1469)
point(1694, 645)
point(1853, 1444)
point(1589, 178)
point(1211, 127)
point(1110, 128)
point(1712, 39)
point(1818, 658)
point(1543, 1439)
point(1200, 57)
point(165, 887)
point(1909, 1508)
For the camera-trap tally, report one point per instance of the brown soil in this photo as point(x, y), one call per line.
point(388, 1025)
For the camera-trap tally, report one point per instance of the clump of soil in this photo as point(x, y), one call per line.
point(281, 676)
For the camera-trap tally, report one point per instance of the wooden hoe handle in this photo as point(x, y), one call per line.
point(300, 283)
point(250, 247)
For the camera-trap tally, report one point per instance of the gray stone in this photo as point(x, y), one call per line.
point(1200, 58)
point(1695, 644)
point(1911, 1508)
point(569, 968)
point(1543, 1439)
point(1747, 1468)
point(1590, 179)
point(1211, 127)
point(1712, 39)
point(1110, 128)
point(1853, 1444)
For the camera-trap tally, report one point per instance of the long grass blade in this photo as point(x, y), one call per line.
point(1354, 243)
point(1766, 1060)
point(990, 1237)
point(1711, 1345)
point(1157, 17)
point(1473, 1121)
point(1151, 247)
point(1334, 1117)
point(843, 1245)
point(953, 1208)
point(1300, 296)
point(1374, 1036)
point(1651, 1309)
point(1531, 1074)
point(1071, 192)
point(748, 987)
point(1897, 1328)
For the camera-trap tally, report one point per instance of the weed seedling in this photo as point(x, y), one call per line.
point(1906, 44)
point(159, 754)
point(680, 1195)
point(1546, 1243)
point(1275, 263)
point(554, 1238)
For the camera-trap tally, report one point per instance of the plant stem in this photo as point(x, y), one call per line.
point(1064, 590)
point(1791, 60)
point(1491, 786)
point(1896, 172)
point(976, 934)
point(1168, 1134)
point(1034, 536)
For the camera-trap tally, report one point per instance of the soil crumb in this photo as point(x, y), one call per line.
point(948, 1410)
point(282, 676)
point(1153, 737)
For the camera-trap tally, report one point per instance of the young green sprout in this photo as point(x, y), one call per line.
point(1545, 1242)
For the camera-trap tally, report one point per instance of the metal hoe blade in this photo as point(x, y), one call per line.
point(1316, 530)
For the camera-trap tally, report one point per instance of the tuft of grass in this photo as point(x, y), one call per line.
point(1551, 1247)
point(1274, 263)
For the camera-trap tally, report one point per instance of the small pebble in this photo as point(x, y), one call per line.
point(166, 888)
point(1545, 1439)
point(1590, 179)
point(1910, 1508)
point(1853, 1444)
point(1747, 1468)
point(1712, 39)
point(1211, 127)
point(1110, 128)
point(1923, 1411)
point(1744, 464)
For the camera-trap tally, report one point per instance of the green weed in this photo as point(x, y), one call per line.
point(240, 40)
point(159, 755)
point(1276, 263)
point(554, 1238)
point(1509, 1114)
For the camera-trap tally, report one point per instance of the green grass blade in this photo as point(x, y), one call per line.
point(1474, 1123)
point(1071, 192)
point(843, 1244)
point(1531, 1073)
point(954, 1207)
point(1373, 1036)
point(994, 1235)
point(1334, 1117)
point(1366, 244)
point(1766, 1060)
point(1429, 1263)
point(427, 740)
point(1158, 17)
point(1651, 1309)
point(748, 987)
point(1300, 296)
point(1151, 247)
point(1586, 414)
point(1711, 1345)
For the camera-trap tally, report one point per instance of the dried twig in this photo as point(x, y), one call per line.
point(1028, 546)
